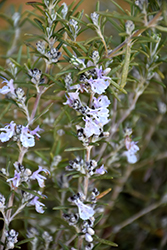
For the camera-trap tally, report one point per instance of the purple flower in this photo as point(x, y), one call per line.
point(9, 88)
point(16, 179)
point(39, 177)
point(34, 132)
point(101, 102)
point(94, 124)
point(38, 205)
point(91, 128)
point(85, 211)
point(101, 83)
point(26, 138)
point(8, 132)
point(73, 96)
point(101, 170)
point(99, 116)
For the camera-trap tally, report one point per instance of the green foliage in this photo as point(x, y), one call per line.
point(60, 43)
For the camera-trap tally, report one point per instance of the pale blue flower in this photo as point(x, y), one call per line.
point(131, 145)
point(9, 88)
point(101, 170)
point(99, 116)
point(100, 84)
point(131, 158)
point(38, 205)
point(91, 128)
point(8, 132)
point(34, 132)
point(16, 180)
point(132, 149)
point(73, 96)
point(85, 211)
point(39, 177)
point(26, 138)
point(101, 101)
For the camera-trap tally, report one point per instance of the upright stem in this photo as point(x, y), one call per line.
point(35, 108)
point(86, 178)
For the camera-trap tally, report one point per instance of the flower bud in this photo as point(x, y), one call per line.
point(88, 237)
point(91, 231)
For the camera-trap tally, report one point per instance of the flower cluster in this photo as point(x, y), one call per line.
point(36, 77)
point(33, 233)
point(95, 117)
point(52, 55)
point(86, 213)
point(19, 133)
point(15, 93)
point(74, 28)
point(85, 167)
point(95, 18)
point(96, 114)
point(71, 218)
point(11, 237)
point(23, 174)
